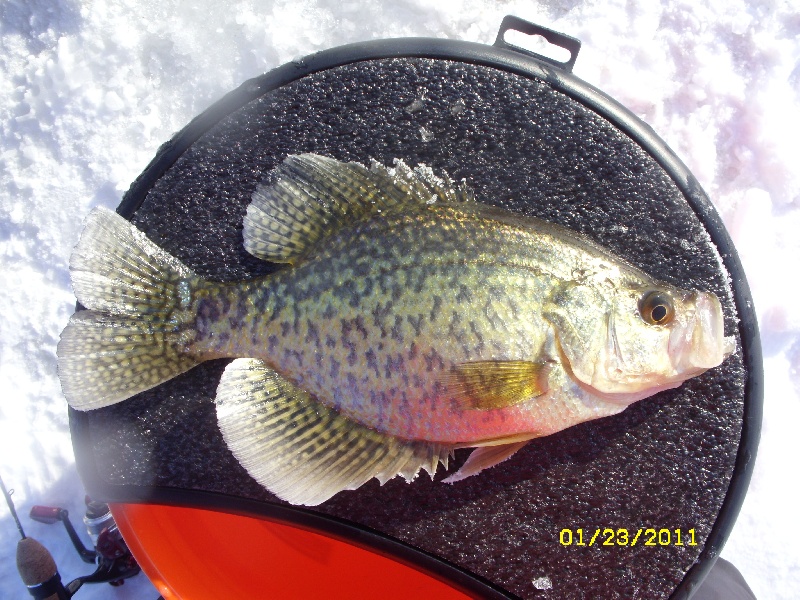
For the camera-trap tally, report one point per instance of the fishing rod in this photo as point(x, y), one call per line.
point(37, 568)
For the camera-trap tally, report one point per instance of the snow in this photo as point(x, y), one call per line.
point(89, 90)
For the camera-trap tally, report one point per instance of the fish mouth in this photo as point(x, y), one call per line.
point(701, 343)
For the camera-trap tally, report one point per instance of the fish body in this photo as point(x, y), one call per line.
point(381, 316)
point(410, 320)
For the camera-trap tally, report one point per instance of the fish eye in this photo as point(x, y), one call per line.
point(656, 308)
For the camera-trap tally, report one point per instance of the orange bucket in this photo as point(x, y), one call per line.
point(196, 554)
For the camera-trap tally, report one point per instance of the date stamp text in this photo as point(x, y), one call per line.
point(627, 537)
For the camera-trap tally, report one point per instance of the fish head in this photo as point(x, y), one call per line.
point(625, 343)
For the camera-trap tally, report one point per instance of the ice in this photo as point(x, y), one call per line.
point(89, 90)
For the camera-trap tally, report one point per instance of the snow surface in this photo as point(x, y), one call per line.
point(89, 90)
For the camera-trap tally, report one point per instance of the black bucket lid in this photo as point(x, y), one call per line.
point(529, 136)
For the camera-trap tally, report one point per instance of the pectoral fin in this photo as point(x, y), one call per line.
point(486, 385)
point(302, 451)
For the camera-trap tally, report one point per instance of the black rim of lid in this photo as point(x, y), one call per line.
point(508, 58)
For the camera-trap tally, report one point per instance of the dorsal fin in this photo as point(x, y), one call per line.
point(314, 196)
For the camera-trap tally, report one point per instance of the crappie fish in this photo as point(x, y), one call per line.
point(409, 320)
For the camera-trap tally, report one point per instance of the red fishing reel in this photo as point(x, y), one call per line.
point(114, 561)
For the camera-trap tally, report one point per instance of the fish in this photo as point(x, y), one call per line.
point(407, 320)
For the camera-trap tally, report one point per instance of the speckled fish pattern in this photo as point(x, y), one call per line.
point(373, 323)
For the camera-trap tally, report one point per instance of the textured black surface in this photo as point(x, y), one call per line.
point(665, 462)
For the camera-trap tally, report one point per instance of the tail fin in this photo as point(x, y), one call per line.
point(139, 295)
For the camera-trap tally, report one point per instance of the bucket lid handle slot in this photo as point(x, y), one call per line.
point(559, 40)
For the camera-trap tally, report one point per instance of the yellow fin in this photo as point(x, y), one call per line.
point(490, 384)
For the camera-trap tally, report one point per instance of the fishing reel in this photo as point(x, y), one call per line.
point(36, 566)
point(114, 561)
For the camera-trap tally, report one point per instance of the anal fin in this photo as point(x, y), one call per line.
point(302, 451)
